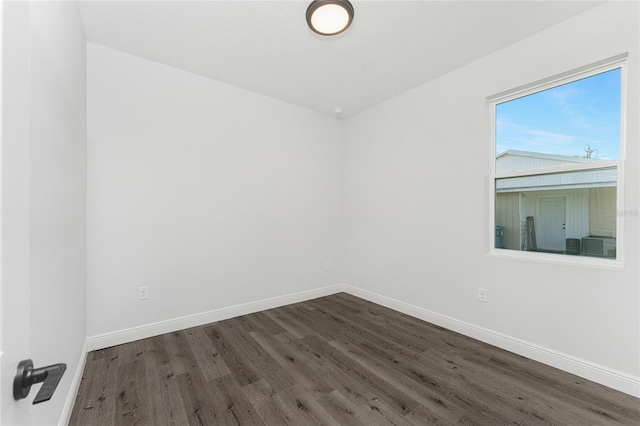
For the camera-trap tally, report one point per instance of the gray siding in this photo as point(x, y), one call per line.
point(508, 215)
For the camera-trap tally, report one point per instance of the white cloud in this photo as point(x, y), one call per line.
point(544, 136)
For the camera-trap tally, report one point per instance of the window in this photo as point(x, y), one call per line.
point(556, 173)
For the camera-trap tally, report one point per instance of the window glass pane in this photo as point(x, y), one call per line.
point(574, 123)
point(570, 213)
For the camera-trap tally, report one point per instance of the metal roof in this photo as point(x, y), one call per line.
point(513, 160)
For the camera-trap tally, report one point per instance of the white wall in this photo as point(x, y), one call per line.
point(417, 222)
point(210, 195)
point(49, 171)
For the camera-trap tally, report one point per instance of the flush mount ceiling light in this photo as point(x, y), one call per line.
point(329, 17)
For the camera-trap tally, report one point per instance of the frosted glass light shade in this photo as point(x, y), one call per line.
point(329, 17)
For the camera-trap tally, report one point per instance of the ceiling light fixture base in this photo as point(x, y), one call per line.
point(329, 17)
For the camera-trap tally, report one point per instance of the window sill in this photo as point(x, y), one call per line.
point(562, 259)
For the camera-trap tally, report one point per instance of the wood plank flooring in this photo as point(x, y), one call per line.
point(336, 360)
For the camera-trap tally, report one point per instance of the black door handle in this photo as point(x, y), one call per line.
point(27, 376)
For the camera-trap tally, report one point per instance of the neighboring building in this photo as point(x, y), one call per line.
point(565, 207)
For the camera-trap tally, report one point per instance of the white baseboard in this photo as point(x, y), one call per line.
point(149, 330)
point(65, 417)
point(597, 373)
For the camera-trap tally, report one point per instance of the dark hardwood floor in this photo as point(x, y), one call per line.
point(336, 360)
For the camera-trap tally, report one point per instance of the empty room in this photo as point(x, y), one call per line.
point(320, 212)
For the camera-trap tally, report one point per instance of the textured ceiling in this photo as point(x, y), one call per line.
point(266, 46)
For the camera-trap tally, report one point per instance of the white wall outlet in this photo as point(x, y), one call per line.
point(143, 293)
point(327, 265)
point(482, 295)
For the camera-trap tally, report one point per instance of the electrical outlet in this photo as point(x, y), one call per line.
point(327, 265)
point(143, 293)
point(482, 295)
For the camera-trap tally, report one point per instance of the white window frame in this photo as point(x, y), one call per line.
point(578, 74)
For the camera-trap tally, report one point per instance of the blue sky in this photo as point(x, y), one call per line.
point(565, 119)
